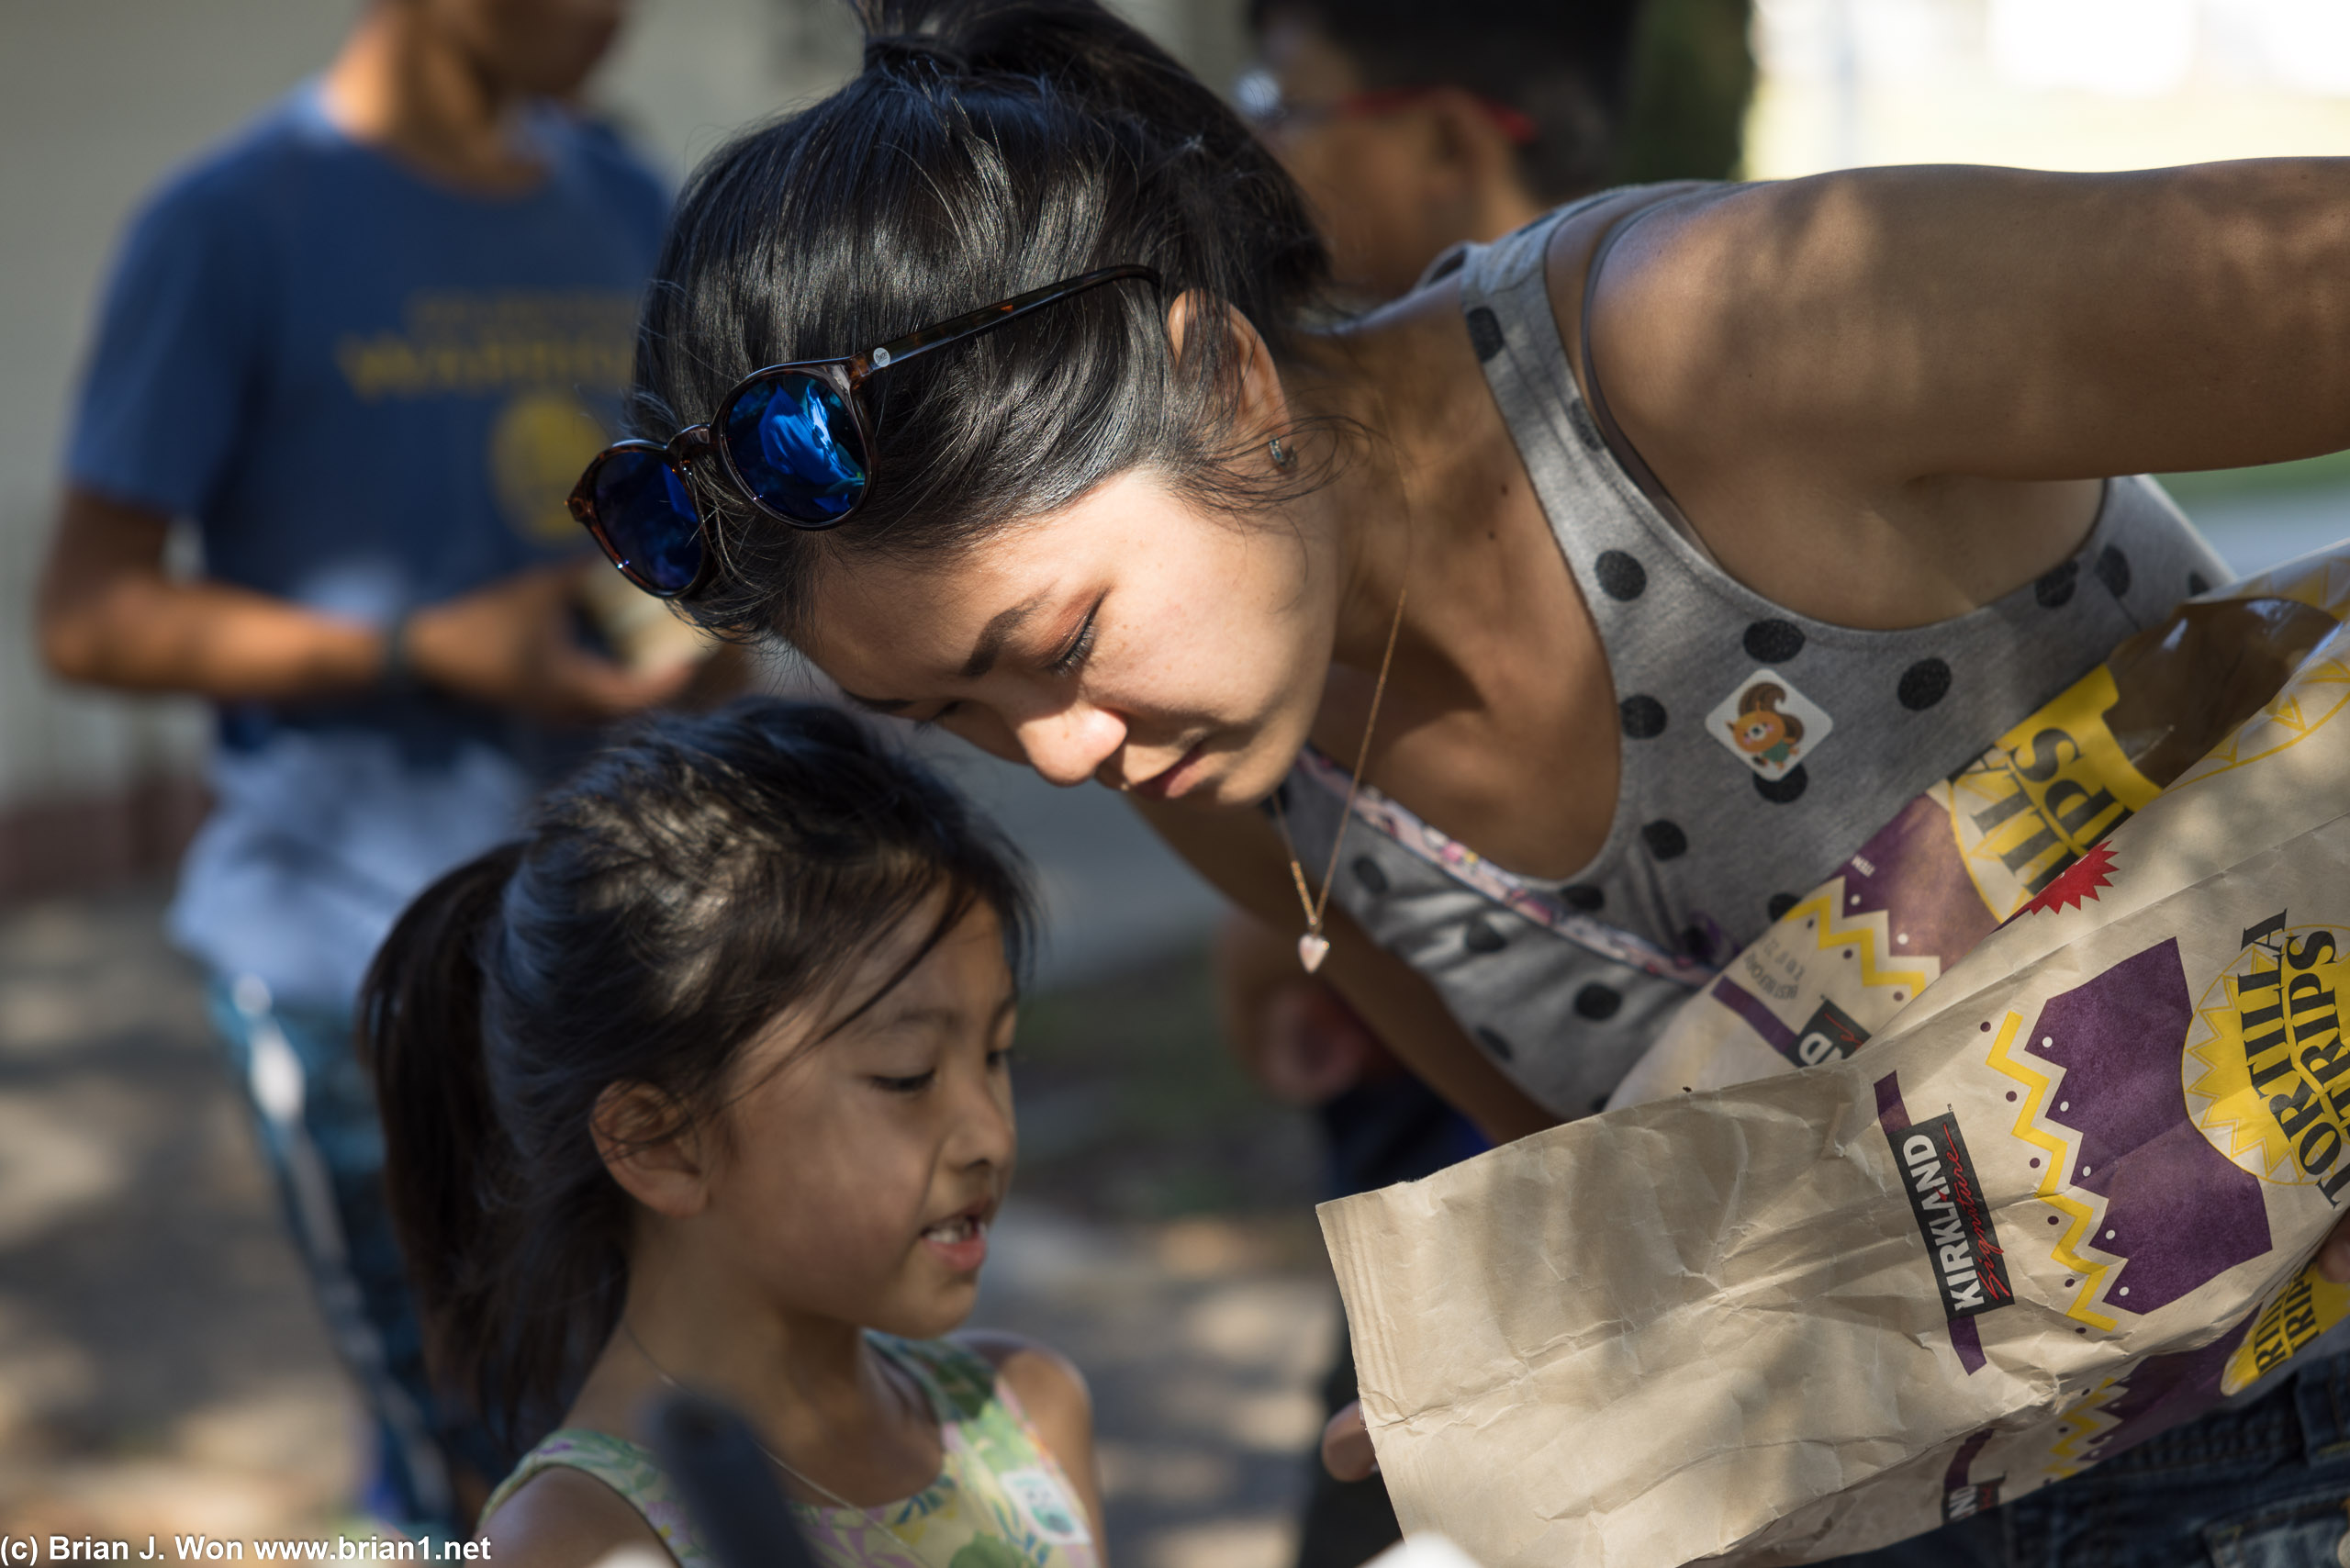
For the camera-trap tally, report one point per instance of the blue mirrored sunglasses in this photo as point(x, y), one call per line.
point(796, 441)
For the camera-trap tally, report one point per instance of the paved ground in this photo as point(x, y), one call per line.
point(160, 1370)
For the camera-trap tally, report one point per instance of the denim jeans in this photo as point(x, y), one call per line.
point(314, 1114)
point(2262, 1486)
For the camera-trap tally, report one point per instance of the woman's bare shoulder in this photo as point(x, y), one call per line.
point(564, 1517)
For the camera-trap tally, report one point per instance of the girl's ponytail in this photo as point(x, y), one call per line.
point(445, 1157)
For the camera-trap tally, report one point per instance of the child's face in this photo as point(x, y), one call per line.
point(863, 1174)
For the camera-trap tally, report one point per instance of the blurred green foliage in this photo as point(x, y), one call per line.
point(1692, 76)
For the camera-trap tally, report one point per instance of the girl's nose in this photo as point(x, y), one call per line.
point(1068, 745)
point(986, 1134)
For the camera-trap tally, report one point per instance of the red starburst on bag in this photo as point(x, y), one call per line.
point(2078, 883)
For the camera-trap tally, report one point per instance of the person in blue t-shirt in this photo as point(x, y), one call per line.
point(366, 346)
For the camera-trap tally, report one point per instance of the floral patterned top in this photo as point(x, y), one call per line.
point(1001, 1500)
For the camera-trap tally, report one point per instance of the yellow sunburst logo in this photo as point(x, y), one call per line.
point(2267, 1070)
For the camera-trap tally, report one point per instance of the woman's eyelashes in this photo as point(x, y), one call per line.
point(1066, 662)
point(1072, 658)
point(909, 1083)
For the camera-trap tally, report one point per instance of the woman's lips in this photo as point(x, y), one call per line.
point(1171, 781)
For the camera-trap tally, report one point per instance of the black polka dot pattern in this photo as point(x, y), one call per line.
point(1923, 684)
point(1582, 897)
point(1643, 717)
point(1585, 431)
point(2197, 583)
point(1491, 1040)
point(1773, 642)
point(1665, 840)
point(1482, 937)
point(1620, 576)
point(2113, 571)
point(1786, 788)
point(1780, 903)
point(1484, 333)
point(1697, 943)
point(1596, 1002)
point(2056, 589)
point(1367, 872)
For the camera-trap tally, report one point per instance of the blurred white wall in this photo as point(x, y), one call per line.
point(2046, 84)
point(100, 98)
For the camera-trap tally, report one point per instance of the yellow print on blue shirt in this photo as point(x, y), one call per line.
point(541, 351)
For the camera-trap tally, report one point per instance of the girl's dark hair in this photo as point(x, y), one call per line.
point(667, 902)
point(987, 147)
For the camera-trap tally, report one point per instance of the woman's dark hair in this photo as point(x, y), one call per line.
point(987, 147)
point(665, 904)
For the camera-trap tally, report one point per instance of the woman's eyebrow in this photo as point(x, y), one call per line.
point(993, 635)
point(984, 653)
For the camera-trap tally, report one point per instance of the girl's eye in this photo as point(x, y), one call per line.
point(999, 1061)
point(914, 1085)
point(1072, 658)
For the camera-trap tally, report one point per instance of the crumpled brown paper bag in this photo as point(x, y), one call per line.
point(2063, 1198)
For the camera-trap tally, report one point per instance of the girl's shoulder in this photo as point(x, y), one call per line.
point(577, 1484)
point(1016, 1427)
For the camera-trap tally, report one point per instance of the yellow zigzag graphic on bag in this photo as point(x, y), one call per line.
point(1867, 935)
point(2059, 1151)
point(2082, 1426)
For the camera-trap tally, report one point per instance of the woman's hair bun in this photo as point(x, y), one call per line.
point(899, 54)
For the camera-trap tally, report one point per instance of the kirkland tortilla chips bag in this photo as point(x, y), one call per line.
point(1979, 846)
point(2063, 1198)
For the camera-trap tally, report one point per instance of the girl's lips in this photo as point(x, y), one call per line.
point(960, 1243)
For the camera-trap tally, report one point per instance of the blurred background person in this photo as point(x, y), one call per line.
point(364, 345)
point(1416, 131)
point(1413, 128)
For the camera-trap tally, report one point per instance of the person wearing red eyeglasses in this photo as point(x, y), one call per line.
point(1413, 126)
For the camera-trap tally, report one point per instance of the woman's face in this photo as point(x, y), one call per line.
point(862, 1173)
point(1132, 638)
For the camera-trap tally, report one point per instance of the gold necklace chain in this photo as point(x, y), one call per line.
point(1313, 947)
point(773, 1458)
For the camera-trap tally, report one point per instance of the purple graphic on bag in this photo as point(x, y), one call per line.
point(2178, 1212)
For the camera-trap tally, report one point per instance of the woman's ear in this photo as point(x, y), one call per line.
point(1263, 405)
point(652, 1150)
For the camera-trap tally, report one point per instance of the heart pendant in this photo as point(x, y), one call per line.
point(1312, 948)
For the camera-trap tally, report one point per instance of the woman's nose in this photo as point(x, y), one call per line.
point(1068, 745)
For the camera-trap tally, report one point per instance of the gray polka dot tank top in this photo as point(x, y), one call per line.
point(1759, 747)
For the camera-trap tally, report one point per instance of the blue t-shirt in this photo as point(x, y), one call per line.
point(371, 391)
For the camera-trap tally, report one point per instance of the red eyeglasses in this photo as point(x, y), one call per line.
point(1258, 94)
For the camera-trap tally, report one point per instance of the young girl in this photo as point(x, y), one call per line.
point(704, 1083)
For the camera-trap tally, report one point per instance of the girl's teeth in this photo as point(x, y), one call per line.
point(959, 1229)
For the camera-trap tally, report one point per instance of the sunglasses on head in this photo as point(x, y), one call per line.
point(794, 440)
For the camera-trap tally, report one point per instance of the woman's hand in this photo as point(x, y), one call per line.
point(1346, 1453)
point(2333, 1257)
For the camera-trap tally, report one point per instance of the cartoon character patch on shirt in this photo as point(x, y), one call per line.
point(1768, 724)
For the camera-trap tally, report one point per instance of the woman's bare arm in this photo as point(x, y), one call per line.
point(1877, 327)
